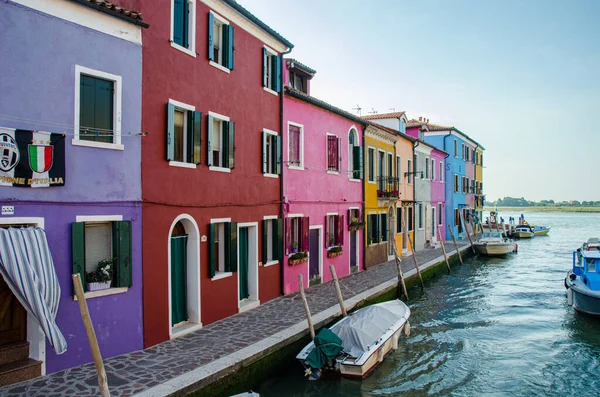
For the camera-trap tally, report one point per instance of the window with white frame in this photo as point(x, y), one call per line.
point(420, 214)
point(298, 81)
point(371, 164)
point(271, 70)
point(220, 42)
point(184, 129)
point(219, 246)
point(355, 155)
point(440, 216)
point(295, 235)
point(271, 153)
point(334, 230)
point(333, 153)
point(183, 25)
point(295, 145)
point(272, 249)
point(221, 141)
point(98, 108)
point(426, 168)
point(373, 228)
point(441, 171)
point(222, 247)
point(399, 169)
point(432, 169)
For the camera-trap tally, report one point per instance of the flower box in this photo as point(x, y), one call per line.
point(356, 226)
point(98, 286)
point(333, 254)
point(298, 261)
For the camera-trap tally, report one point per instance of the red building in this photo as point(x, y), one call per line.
point(211, 163)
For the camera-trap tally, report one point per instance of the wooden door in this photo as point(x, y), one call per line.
point(243, 263)
point(179, 312)
point(313, 254)
point(13, 317)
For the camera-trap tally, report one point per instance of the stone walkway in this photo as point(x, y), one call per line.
point(139, 371)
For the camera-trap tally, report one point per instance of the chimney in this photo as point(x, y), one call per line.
point(420, 118)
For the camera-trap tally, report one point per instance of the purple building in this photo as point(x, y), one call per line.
point(70, 142)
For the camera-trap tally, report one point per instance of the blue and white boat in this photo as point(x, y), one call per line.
point(583, 282)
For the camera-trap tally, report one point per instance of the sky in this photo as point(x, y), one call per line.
point(520, 77)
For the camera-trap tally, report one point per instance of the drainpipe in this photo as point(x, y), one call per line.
point(364, 187)
point(281, 206)
point(449, 133)
point(415, 193)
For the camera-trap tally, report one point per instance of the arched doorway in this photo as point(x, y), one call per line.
point(184, 276)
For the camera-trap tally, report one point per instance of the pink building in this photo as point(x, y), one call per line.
point(322, 185)
point(438, 193)
point(469, 185)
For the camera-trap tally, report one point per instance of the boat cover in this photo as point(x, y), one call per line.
point(327, 346)
point(27, 267)
point(365, 327)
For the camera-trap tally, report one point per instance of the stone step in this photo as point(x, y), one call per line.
point(14, 352)
point(19, 371)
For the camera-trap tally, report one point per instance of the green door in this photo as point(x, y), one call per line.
point(243, 263)
point(179, 311)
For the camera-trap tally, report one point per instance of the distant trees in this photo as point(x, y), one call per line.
point(522, 202)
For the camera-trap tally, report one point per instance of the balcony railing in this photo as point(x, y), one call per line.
point(387, 187)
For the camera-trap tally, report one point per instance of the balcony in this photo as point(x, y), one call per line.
point(387, 188)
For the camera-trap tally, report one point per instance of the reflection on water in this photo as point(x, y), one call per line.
point(493, 326)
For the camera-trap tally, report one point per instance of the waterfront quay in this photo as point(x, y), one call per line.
point(232, 354)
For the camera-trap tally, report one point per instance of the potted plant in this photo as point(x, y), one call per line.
point(334, 251)
point(294, 247)
point(331, 240)
point(101, 278)
point(297, 258)
point(356, 224)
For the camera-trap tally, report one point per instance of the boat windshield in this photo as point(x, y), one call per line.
point(492, 234)
point(591, 265)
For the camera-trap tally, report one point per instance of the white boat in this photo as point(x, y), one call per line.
point(364, 338)
point(523, 231)
point(493, 244)
point(541, 230)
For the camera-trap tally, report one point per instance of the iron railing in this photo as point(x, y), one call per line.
point(387, 187)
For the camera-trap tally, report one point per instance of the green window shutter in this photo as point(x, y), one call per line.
point(121, 233)
point(231, 145)
point(186, 23)
point(357, 162)
point(278, 158)
point(194, 137)
point(340, 230)
point(209, 160)
point(78, 250)
point(225, 46)
point(87, 87)
point(265, 136)
point(232, 246)
point(265, 66)
point(384, 228)
point(265, 240)
point(278, 239)
point(212, 263)
point(277, 73)
point(103, 110)
point(211, 26)
point(377, 232)
point(305, 228)
point(230, 47)
point(170, 132)
point(178, 21)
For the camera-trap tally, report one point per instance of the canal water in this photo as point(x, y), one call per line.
point(493, 326)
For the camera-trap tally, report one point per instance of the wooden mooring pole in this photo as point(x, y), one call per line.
point(462, 219)
point(91, 334)
point(455, 245)
point(414, 255)
point(443, 248)
point(306, 308)
point(474, 229)
point(400, 274)
point(338, 291)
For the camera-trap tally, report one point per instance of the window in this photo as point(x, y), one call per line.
point(410, 219)
point(420, 213)
point(426, 168)
point(371, 158)
point(271, 164)
point(455, 183)
point(390, 165)
point(298, 82)
point(473, 186)
point(373, 228)
point(399, 220)
point(481, 160)
point(381, 168)
point(271, 70)
point(184, 129)
point(455, 148)
point(355, 156)
point(102, 240)
point(295, 145)
point(410, 170)
point(296, 234)
point(222, 247)
point(333, 153)
point(456, 217)
point(383, 225)
point(441, 171)
point(183, 28)
point(399, 168)
point(97, 109)
point(221, 142)
point(334, 230)
point(220, 42)
point(591, 265)
point(440, 216)
point(432, 169)
point(272, 240)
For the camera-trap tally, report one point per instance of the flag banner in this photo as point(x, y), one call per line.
point(31, 158)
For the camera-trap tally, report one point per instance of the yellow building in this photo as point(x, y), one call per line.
point(405, 206)
point(479, 196)
point(382, 192)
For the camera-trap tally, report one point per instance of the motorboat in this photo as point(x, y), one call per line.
point(494, 244)
point(357, 343)
point(541, 230)
point(523, 231)
point(583, 281)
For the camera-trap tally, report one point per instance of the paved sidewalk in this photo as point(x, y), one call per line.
point(144, 370)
